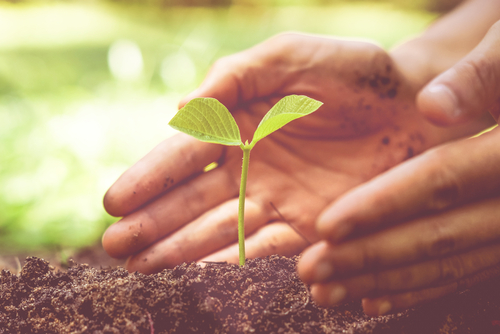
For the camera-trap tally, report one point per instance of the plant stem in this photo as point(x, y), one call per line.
point(241, 207)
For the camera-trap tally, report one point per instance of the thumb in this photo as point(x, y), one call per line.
point(469, 88)
point(222, 82)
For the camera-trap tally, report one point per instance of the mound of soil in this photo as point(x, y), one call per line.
point(264, 296)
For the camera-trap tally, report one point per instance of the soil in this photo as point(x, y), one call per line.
point(264, 296)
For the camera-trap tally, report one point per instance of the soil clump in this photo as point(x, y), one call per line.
point(264, 296)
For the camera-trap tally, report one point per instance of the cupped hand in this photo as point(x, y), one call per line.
point(424, 229)
point(429, 226)
point(174, 212)
point(467, 89)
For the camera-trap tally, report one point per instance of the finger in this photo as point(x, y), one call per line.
point(274, 238)
point(169, 212)
point(422, 239)
point(468, 88)
point(210, 232)
point(398, 302)
point(436, 180)
point(168, 164)
point(222, 82)
point(257, 72)
point(413, 277)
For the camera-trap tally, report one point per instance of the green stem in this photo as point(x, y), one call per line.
point(241, 207)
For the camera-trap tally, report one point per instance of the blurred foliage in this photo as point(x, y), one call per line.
point(430, 5)
point(87, 88)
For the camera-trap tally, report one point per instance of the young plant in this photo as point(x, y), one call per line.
point(209, 120)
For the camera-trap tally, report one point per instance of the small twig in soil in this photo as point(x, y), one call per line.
point(18, 263)
point(150, 322)
point(215, 262)
point(289, 224)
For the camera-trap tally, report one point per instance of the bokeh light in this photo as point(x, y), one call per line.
point(125, 60)
point(178, 71)
point(87, 88)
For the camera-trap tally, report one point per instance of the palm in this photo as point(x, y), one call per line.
point(293, 177)
point(367, 125)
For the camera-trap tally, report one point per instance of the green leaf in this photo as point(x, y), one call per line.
point(286, 110)
point(207, 120)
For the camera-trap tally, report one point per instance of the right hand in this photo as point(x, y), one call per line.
point(397, 248)
point(174, 213)
point(467, 89)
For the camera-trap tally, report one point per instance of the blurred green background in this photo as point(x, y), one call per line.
point(88, 87)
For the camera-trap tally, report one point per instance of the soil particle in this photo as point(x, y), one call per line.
point(264, 296)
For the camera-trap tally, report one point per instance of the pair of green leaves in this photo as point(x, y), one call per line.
point(209, 120)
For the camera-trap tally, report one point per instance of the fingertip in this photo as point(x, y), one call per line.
point(130, 265)
point(304, 267)
point(333, 226)
point(121, 239)
point(439, 104)
point(318, 296)
point(139, 263)
point(110, 204)
point(108, 244)
point(195, 93)
point(311, 267)
point(325, 224)
point(376, 307)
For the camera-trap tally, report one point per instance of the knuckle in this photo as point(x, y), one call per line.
point(379, 55)
point(441, 243)
point(446, 190)
point(370, 258)
point(282, 46)
point(399, 279)
point(482, 75)
point(404, 279)
point(480, 71)
point(479, 277)
point(221, 64)
point(381, 283)
point(228, 64)
point(287, 37)
point(451, 269)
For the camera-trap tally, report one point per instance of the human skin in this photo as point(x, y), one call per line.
point(363, 129)
point(429, 226)
point(369, 123)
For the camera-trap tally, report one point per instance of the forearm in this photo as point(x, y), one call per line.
point(446, 41)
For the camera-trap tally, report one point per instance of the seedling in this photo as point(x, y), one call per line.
point(209, 120)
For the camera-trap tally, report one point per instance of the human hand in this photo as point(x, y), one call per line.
point(424, 229)
point(429, 226)
point(174, 212)
point(467, 89)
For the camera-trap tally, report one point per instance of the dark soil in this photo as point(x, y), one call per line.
point(264, 296)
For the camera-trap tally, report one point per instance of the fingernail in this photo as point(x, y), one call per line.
point(324, 270)
point(384, 307)
point(445, 99)
point(337, 294)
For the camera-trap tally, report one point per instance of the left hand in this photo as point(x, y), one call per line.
point(174, 213)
